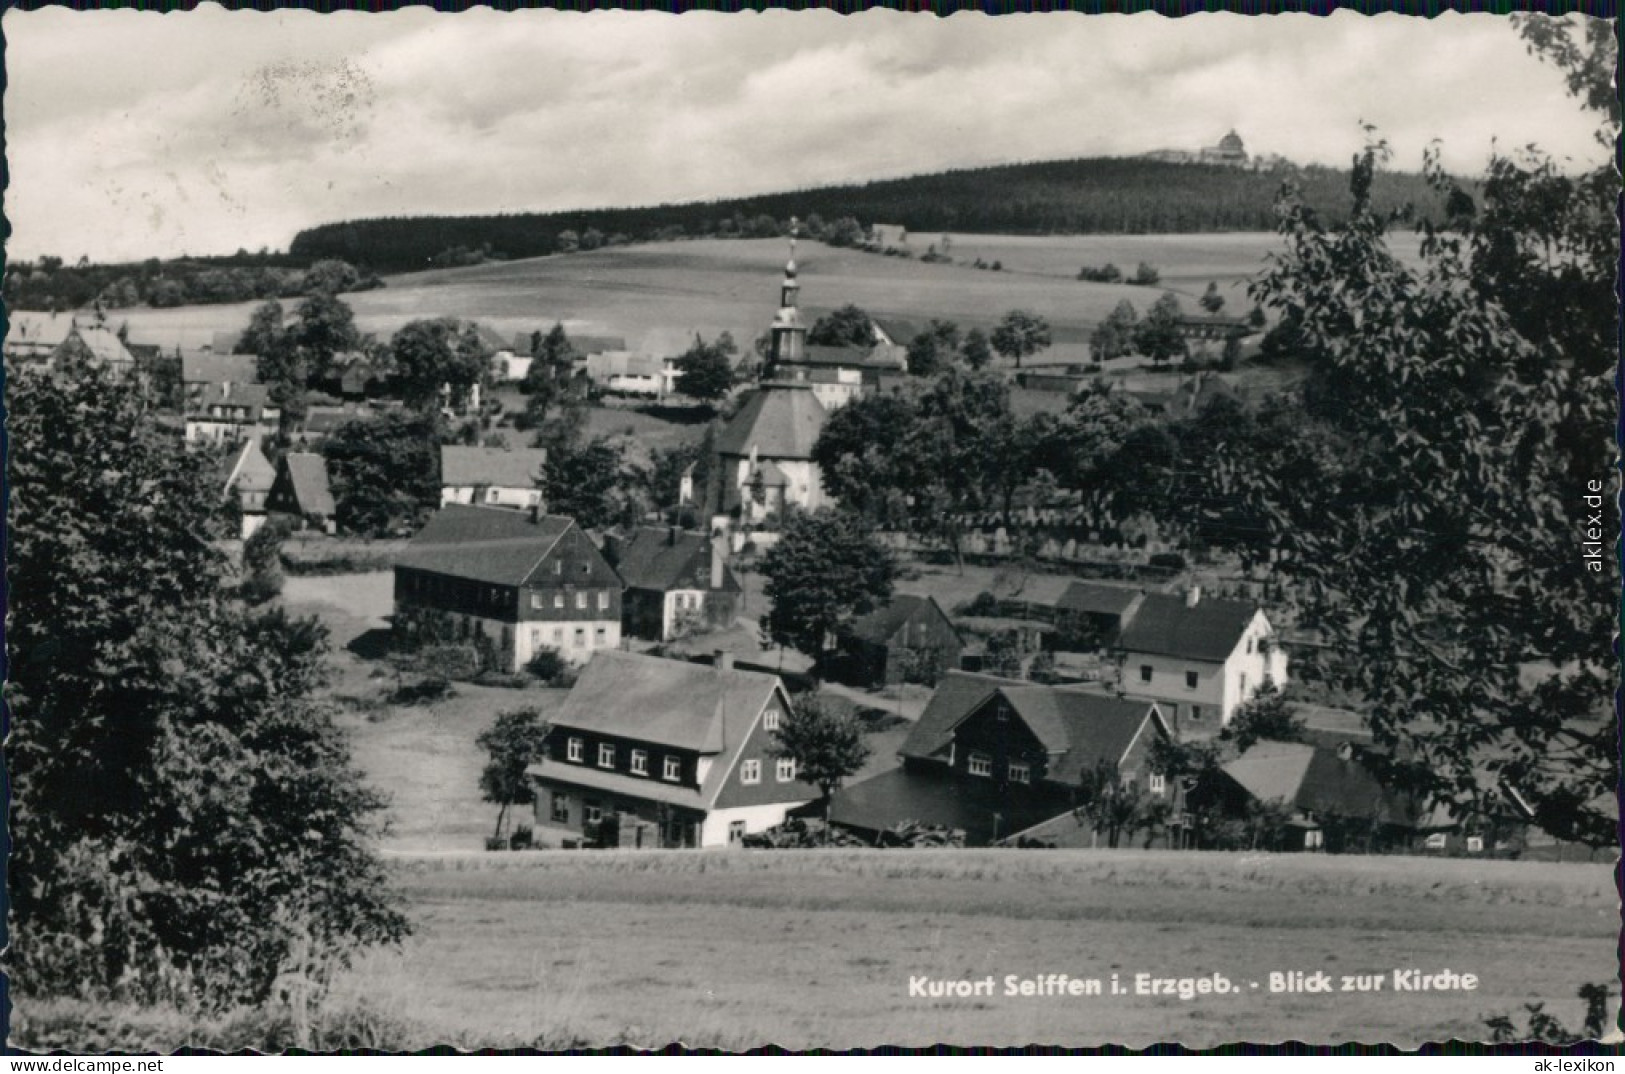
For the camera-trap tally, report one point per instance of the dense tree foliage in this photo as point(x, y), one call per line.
point(186, 823)
point(848, 326)
point(385, 471)
point(1114, 336)
point(592, 483)
point(438, 355)
point(1443, 541)
point(1020, 334)
point(1157, 336)
point(932, 350)
point(49, 284)
point(1122, 196)
point(1267, 716)
point(512, 743)
point(825, 570)
point(827, 746)
point(706, 370)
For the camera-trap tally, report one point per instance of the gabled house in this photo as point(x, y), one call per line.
point(629, 373)
point(98, 345)
point(764, 454)
point(525, 580)
point(675, 582)
point(1198, 656)
point(249, 477)
point(496, 477)
point(995, 757)
point(225, 413)
point(31, 336)
point(909, 639)
point(647, 752)
point(201, 370)
point(1331, 800)
point(300, 493)
point(1090, 615)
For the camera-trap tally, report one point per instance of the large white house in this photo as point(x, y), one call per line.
point(1198, 657)
point(650, 752)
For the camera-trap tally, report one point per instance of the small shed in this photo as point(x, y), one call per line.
point(302, 494)
point(909, 639)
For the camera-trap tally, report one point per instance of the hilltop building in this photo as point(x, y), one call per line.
point(764, 455)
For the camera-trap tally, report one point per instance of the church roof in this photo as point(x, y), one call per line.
point(780, 421)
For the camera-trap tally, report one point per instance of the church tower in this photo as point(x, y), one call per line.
point(788, 334)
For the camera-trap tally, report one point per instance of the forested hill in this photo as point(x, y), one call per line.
point(1125, 196)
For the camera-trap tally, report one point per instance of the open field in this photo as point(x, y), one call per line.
point(816, 948)
point(657, 296)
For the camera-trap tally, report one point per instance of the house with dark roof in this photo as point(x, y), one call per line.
point(1330, 799)
point(909, 639)
point(676, 583)
point(1198, 656)
point(525, 580)
point(648, 752)
point(1090, 615)
point(301, 494)
point(248, 476)
point(493, 476)
point(997, 757)
point(764, 454)
point(227, 412)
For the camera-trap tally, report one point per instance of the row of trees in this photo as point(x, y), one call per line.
point(49, 284)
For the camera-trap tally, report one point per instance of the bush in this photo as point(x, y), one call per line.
point(1170, 560)
point(546, 665)
point(425, 691)
point(984, 604)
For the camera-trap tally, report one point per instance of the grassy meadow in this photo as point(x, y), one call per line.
point(657, 296)
point(815, 949)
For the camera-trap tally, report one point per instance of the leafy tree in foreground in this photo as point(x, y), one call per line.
point(825, 569)
point(436, 354)
point(1020, 335)
point(323, 328)
point(975, 350)
point(590, 483)
point(1441, 545)
point(827, 747)
point(512, 743)
point(185, 813)
point(932, 350)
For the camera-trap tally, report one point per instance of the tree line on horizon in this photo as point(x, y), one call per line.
point(1106, 196)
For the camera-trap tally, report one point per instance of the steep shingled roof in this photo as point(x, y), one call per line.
point(879, 625)
point(660, 560)
point(779, 421)
point(246, 469)
point(1093, 598)
point(202, 367)
point(666, 702)
point(1315, 779)
point(484, 544)
point(503, 467)
point(308, 474)
point(1165, 625)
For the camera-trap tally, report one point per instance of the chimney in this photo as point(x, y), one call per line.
point(723, 661)
point(1193, 596)
point(716, 563)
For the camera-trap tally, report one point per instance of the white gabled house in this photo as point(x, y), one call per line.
point(650, 752)
point(1198, 657)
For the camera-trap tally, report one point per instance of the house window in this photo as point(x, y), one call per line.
point(580, 638)
point(1190, 680)
point(603, 601)
point(558, 566)
point(672, 768)
point(785, 770)
point(574, 749)
point(1020, 773)
point(1249, 646)
point(1145, 672)
point(1243, 685)
point(1436, 841)
point(736, 832)
point(640, 762)
point(1158, 783)
point(558, 600)
point(561, 808)
point(600, 636)
point(750, 772)
point(1475, 844)
point(581, 600)
point(536, 600)
point(979, 764)
point(558, 636)
point(770, 720)
point(606, 755)
point(1196, 713)
point(591, 812)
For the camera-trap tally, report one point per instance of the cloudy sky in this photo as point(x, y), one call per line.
point(134, 134)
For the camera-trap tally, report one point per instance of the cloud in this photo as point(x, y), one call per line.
point(133, 134)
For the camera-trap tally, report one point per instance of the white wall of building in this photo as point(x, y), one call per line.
point(714, 832)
